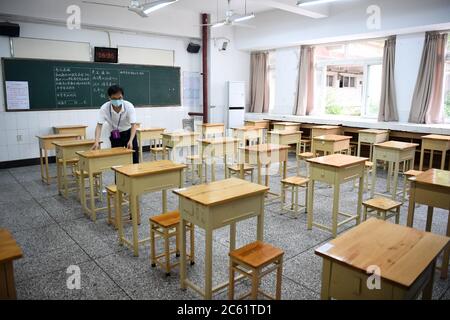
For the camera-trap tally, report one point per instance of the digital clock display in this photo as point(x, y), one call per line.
point(106, 55)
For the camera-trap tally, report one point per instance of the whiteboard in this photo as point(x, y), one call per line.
point(144, 56)
point(51, 49)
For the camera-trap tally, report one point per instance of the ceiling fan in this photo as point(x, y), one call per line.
point(141, 8)
point(232, 18)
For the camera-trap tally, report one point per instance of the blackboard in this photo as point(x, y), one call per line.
point(58, 85)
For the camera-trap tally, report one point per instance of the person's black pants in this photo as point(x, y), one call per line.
point(123, 141)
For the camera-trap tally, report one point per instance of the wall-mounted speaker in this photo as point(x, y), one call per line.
point(193, 47)
point(9, 29)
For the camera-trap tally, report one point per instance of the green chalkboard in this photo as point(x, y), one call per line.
point(57, 85)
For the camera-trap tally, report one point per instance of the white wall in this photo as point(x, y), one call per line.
point(286, 72)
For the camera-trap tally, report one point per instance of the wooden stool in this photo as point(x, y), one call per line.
point(98, 183)
point(111, 194)
point(154, 151)
point(294, 183)
point(62, 176)
point(382, 206)
point(9, 251)
point(304, 144)
point(235, 171)
point(408, 174)
point(303, 156)
point(250, 261)
point(166, 226)
point(194, 160)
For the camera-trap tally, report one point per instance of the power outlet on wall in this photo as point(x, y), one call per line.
point(19, 138)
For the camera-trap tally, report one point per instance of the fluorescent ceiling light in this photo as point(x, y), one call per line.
point(148, 8)
point(244, 18)
point(218, 24)
point(302, 3)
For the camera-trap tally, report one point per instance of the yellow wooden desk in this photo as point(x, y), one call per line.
point(45, 145)
point(435, 142)
point(79, 130)
point(370, 137)
point(137, 179)
point(264, 154)
point(249, 135)
point(331, 143)
point(431, 188)
point(211, 149)
point(67, 151)
point(9, 251)
point(98, 161)
point(210, 130)
point(212, 206)
point(258, 123)
point(179, 140)
point(147, 134)
point(394, 152)
point(405, 257)
point(289, 126)
point(323, 130)
point(286, 137)
point(335, 169)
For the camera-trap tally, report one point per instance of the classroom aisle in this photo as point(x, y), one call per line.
point(54, 234)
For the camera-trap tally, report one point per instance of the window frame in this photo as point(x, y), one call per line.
point(446, 74)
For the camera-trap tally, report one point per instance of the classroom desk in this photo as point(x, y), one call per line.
point(331, 143)
point(286, 137)
point(137, 179)
point(178, 140)
point(431, 188)
point(212, 206)
point(94, 161)
point(45, 145)
point(371, 137)
point(79, 130)
point(323, 130)
point(264, 154)
point(209, 130)
point(405, 257)
point(218, 147)
point(335, 169)
point(258, 123)
point(249, 135)
point(9, 251)
point(147, 134)
point(67, 151)
point(289, 126)
point(394, 152)
point(435, 142)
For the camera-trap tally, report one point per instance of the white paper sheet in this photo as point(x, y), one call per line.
point(17, 95)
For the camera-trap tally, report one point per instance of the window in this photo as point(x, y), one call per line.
point(357, 69)
point(330, 81)
point(447, 85)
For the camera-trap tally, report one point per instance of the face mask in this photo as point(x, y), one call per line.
point(117, 102)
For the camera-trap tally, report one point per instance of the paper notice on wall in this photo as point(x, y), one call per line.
point(17, 95)
point(191, 89)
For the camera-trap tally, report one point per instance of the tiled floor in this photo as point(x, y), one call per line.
point(54, 234)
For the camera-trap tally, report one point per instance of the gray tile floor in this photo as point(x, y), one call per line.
point(54, 234)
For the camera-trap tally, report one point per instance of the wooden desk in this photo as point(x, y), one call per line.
point(431, 188)
point(323, 130)
point(94, 161)
point(289, 126)
point(178, 140)
point(45, 145)
point(210, 130)
point(264, 154)
point(67, 151)
point(331, 143)
point(405, 257)
point(211, 149)
point(286, 137)
point(249, 135)
point(147, 134)
point(370, 137)
point(394, 152)
point(435, 142)
point(9, 251)
point(335, 169)
point(79, 130)
point(258, 123)
point(137, 179)
point(213, 206)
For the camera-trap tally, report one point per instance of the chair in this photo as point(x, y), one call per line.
point(382, 208)
point(294, 183)
point(408, 174)
point(302, 157)
point(235, 171)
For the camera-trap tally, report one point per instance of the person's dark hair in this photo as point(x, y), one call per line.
point(115, 89)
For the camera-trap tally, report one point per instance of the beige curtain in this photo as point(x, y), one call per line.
point(259, 82)
point(304, 102)
point(427, 100)
point(388, 99)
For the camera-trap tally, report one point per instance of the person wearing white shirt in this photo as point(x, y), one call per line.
point(120, 115)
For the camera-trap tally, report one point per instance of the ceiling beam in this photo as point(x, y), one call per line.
point(291, 8)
